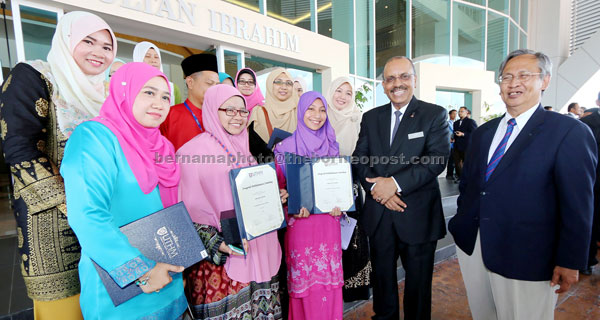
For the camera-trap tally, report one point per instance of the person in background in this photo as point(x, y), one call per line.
point(224, 78)
point(226, 285)
point(463, 128)
point(149, 53)
point(524, 218)
point(245, 82)
point(299, 86)
point(344, 116)
point(185, 120)
point(313, 241)
point(548, 108)
point(582, 110)
point(111, 179)
point(42, 103)
point(450, 169)
point(279, 112)
point(573, 110)
point(117, 63)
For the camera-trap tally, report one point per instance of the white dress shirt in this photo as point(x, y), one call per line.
point(501, 130)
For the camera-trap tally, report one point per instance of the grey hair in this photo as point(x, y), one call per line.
point(544, 62)
point(400, 58)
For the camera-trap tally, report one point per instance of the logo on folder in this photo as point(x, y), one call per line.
point(167, 242)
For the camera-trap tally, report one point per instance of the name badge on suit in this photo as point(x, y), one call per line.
point(415, 135)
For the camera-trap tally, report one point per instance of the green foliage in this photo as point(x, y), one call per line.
point(489, 117)
point(360, 98)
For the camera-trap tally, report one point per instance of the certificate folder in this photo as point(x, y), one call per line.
point(277, 136)
point(305, 190)
point(256, 201)
point(166, 236)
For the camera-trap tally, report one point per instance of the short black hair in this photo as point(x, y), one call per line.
point(572, 106)
point(450, 112)
point(547, 107)
point(463, 107)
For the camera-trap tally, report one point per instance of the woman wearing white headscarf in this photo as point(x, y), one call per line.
point(149, 53)
point(42, 103)
point(345, 118)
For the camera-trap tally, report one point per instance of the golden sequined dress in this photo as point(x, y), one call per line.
point(33, 147)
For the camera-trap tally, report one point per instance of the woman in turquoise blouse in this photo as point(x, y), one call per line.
point(111, 178)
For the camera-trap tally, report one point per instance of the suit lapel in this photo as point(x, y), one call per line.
point(383, 121)
point(521, 142)
point(407, 124)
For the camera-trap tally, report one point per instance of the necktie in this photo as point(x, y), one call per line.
point(499, 152)
point(397, 113)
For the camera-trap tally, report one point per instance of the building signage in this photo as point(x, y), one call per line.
point(185, 12)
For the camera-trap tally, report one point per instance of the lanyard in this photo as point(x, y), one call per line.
point(193, 115)
point(229, 155)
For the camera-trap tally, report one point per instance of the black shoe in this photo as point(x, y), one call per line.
point(587, 271)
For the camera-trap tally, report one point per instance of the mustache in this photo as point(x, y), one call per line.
point(400, 88)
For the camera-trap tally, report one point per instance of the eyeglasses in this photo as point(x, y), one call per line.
point(232, 112)
point(522, 77)
point(246, 83)
point(403, 77)
point(287, 83)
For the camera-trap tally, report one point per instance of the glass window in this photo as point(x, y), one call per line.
point(364, 41)
point(524, 14)
point(253, 5)
point(233, 62)
point(514, 10)
point(324, 12)
point(514, 37)
point(500, 5)
point(391, 32)
point(431, 30)
point(3, 49)
point(343, 25)
point(497, 40)
point(481, 2)
point(468, 32)
point(523, 41)
point(38, 29)
point(296, 12)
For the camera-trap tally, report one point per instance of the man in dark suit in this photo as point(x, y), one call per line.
point(408, 141)
point(591, 117)
point(462, 134)
point(525, 211)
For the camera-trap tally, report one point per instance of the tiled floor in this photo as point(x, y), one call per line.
point(449, 297)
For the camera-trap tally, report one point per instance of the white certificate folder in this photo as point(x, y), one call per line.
point(256, 200)
point(319, 184)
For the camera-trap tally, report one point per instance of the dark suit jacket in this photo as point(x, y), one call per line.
point(423, 219)
point(467, 127)
point(535, 211)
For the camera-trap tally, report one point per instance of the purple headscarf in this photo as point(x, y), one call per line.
point(305, 141)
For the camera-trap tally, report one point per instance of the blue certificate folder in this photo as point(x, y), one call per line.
point(229, 220)
point(166, 236)
point(301, 183)
point(277, 136)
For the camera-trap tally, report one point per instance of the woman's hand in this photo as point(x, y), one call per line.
point(303, 213)
point(336, 212)
point(226, 249)
point(284, 195)
point(159, 277)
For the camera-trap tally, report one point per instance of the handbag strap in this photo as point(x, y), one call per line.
point(269, 126)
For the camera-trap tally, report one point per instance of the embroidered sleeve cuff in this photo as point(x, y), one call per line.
point(131, 270)
point(39, 184)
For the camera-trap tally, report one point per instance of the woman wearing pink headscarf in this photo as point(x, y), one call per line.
point(42, 103)
point(227, 285)
point(111, 179)
point(246, 83)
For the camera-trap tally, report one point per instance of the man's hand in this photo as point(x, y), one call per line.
point(459, 133)
point(564, 277)
point(395, 204)
point(384, 189)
